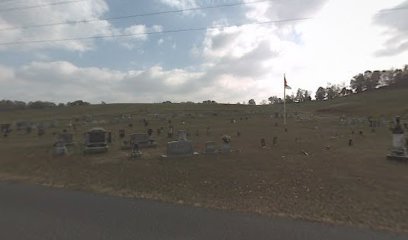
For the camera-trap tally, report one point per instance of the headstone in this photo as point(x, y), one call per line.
point(275, 140)
point(142, 140)
point(182, 135)
point(96, 140)
point(130, 125)
point(158, 131)
point(238, 133)
point(150, 132)
point(179, 148)
point(226, 147)
point(399, 143)
point(136, 153)
point(350, 142)
point(263, 143)
point(60, 149)
point(210, 148)
point(170, 132)
point(121, 133)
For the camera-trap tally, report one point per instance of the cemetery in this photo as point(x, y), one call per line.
point(323, 165)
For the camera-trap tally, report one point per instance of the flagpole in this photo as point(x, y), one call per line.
point(284, 101)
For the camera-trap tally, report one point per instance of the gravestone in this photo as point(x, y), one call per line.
point(399, 143)
point(238, 133)
point(150, 132)
point(180, 148)
point(142, 140)
point(226, 147)
point(182, 135)
point(170, 133)
point(263, 143)
point(275, 140)
point(210, 147)
point(96, 140)
point(158, 131)
point(350, 142)
point(59, 149)
point(121, 133)
point(136, 153)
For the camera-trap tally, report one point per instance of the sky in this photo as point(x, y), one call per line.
point(228, 53)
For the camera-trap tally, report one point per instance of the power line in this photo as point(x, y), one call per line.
point(135, 15)
point(149, 33)
point(39, 6)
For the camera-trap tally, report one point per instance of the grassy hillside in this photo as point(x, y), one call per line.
point(310, 172)
point(385, 101)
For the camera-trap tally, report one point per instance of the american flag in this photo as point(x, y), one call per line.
point(286, 86)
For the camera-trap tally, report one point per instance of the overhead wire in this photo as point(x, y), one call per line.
point(135, 15)
point(39, 5)
point(150, 33)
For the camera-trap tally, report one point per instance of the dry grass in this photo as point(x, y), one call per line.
point(334, 183)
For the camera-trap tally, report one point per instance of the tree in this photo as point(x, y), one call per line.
point(372, 80)
point(358, 83)
point(251, 102)
point(273, 99)
point(300, 95)
point(264, 102)
point(332, 91)
point(320, 94)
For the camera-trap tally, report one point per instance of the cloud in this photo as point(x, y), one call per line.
point(283, 9)
point(73, 12)
point(396, 27)
point(180, 4)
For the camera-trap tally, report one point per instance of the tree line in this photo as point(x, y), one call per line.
point(16, 105)
point(362, 82)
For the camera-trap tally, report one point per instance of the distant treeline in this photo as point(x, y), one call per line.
point(15, 105)
point(365, 82)
point(362, 82)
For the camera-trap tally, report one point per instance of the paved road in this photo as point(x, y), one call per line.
point(35, 212)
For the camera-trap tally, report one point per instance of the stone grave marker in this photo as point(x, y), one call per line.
point(180, 148)
point(150, 132)
point(170, 132)
point(182, 135)
point(136, 153)
point(210, 147)
point(96, 140)
point(275, 140)
point(226, 147)
point(121, 133)
point(263, 143)
point(59, 149)
point(142, 140)
point(399, 143)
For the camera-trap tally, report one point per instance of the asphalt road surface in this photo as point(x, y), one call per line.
point(35, 212)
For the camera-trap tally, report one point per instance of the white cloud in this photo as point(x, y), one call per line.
point(180, 4)
point(74, 12)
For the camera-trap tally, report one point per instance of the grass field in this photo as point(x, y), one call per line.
point(311, 173)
